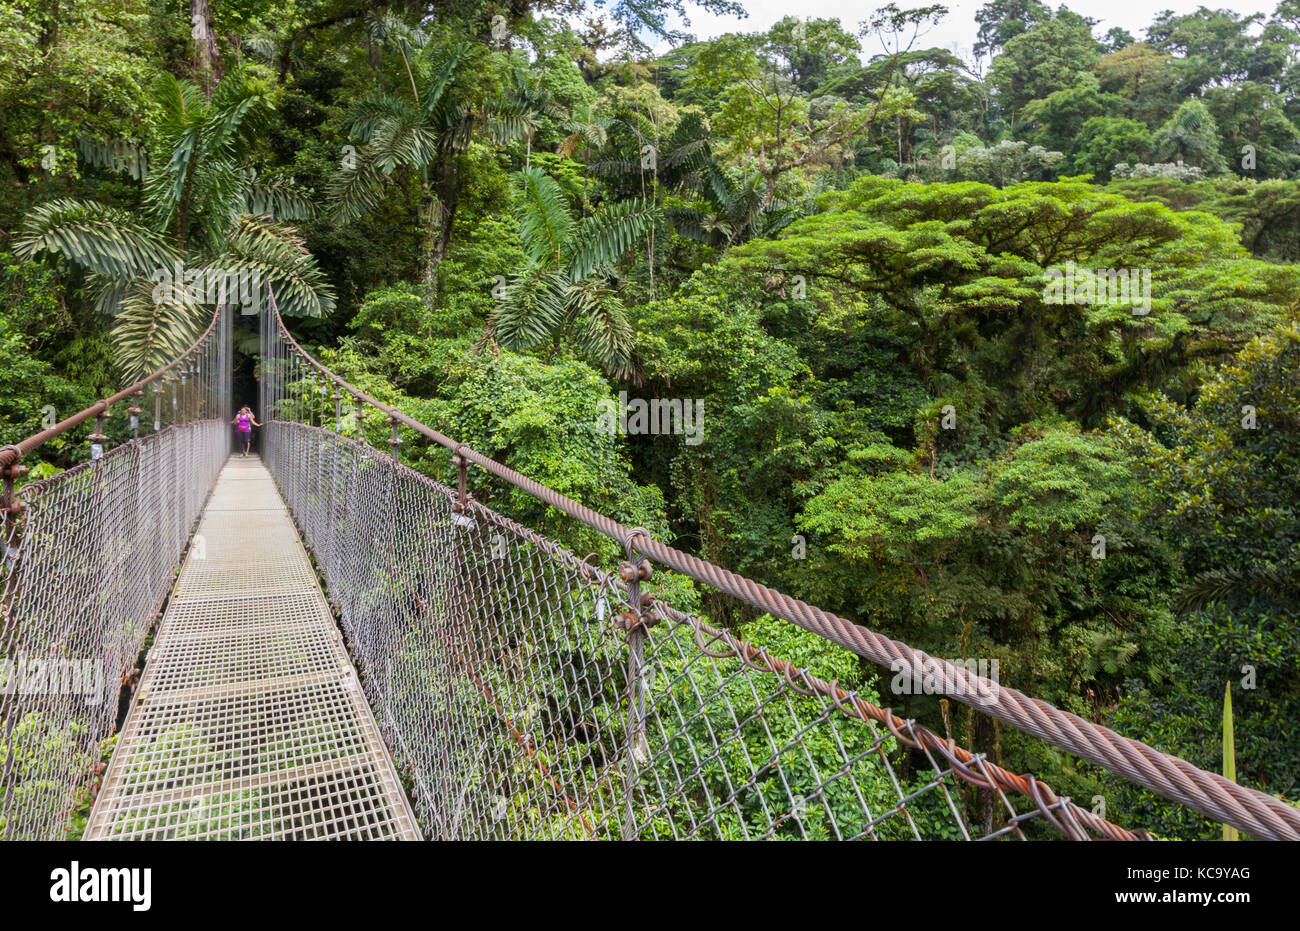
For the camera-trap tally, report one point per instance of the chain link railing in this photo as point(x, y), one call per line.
point(90, 556)
point(525, 692)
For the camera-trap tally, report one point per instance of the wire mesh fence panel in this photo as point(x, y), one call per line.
point(90, 555)
point(94, 558)
point(521, 698)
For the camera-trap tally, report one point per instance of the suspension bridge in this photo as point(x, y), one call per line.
point(322, 642)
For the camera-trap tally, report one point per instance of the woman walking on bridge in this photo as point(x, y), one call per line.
point(244, 423)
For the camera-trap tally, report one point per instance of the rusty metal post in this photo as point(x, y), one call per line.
point(12, 510)
point(361, 420)
point(461, 481)
point(98, 438)
point(394, 441)
point(134, 411)
point(634, 622)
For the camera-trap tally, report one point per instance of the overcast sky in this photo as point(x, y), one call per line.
point(958, 26)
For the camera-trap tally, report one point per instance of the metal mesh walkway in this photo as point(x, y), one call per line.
point(249, 721)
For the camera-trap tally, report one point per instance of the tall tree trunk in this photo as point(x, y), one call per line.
point(207, 60)
point(446, 190)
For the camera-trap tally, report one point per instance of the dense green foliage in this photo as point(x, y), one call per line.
point(845, 257)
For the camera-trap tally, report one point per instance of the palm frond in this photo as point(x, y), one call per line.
point(1278, 584)
point(687, 151)
point(599, 240)
point(402, 143)
point(531, 309)
point(374, 110)
point(164, 188)
point(181, 103)
point(234, 114)
point(154, 324)
point(356, 192)
point(692, 223)
point(545, 223)
point(603, 330)
point(279, 197)
point(217, 190)
point(687, 156)
point(746, 201)
point(387, 28)
point(102, 239)
point(118, 156)
point(585, 129)
point(775, 217)
point(640, 125)
point(275, 255)
point(107, 293)
point(509, 122)
point(614, 168)
point(442, 71)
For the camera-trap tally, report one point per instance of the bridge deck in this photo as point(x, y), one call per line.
point(249, 721)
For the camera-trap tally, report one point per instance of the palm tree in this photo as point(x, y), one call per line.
point(724, 208)
point(206, 214)
point(588, 132)
point(635, 147)
point(565, 286)
point(523, 105)
point(422, 133)
point(729, 210)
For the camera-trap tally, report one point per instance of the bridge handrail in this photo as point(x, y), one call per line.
point(9, 455)
point(1210, 794)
